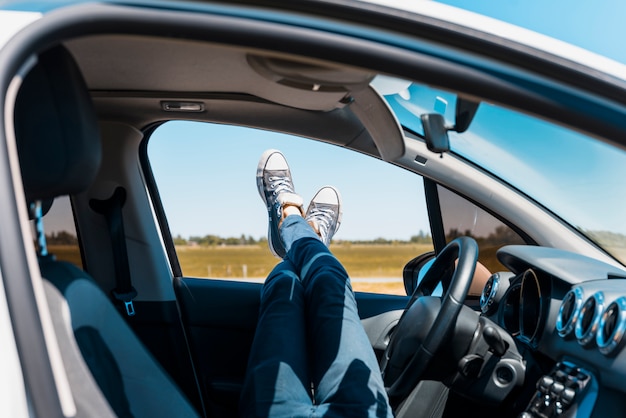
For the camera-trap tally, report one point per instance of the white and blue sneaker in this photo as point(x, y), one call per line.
point(273, 179)
point(324, 213)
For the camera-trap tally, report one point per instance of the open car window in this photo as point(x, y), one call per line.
point(205, 175)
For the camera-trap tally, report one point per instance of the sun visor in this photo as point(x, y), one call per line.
point(380, 122)
point(318, 87)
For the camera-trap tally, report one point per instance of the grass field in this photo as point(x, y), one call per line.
point(362, 262)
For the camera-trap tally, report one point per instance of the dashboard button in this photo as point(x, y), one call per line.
point(556, 389)
point(544, 383)
point(567, 396)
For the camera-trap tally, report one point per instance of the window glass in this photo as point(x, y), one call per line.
point(60, 230)
point(550, 157)
point(205, 174)
point(463, 218)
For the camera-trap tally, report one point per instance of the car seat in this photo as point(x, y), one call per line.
point(109, 370)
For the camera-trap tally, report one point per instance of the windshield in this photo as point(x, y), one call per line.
point(579, 179)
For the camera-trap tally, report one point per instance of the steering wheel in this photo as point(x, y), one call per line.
point(402, 364)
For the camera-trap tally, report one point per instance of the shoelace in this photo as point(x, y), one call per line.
point(324, 216)
point(280, 184)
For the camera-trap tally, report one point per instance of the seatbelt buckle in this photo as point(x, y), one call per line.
point(130, 308)
point(127, 299)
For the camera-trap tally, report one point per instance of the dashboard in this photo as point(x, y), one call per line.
point(571, 310)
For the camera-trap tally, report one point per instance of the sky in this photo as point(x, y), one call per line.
point(202, 193)
point(213, 189)
point(594, 25)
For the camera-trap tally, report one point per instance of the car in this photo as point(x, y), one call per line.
point(127, 126)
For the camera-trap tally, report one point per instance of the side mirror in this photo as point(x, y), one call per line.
point(414, 270)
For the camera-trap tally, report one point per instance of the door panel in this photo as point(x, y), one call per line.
point(220, 319)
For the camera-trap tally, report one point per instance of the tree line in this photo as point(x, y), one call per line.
point(216, 240)
point(67, 238)
point(61, 238)
point(501, 235)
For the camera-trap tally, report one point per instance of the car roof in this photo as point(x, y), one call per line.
point(443, 14)
point(465, 20)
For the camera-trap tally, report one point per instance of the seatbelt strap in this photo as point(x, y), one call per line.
point(111, 209)
point(36, 211)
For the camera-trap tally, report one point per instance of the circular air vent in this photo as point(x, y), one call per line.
point(588, 319)
point(612, 326)
point(569, 311)
point(488, 295)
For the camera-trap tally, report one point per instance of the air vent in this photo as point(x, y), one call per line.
point(587, 322)
point(612, 326)
point(569, 312)
point(488, 295)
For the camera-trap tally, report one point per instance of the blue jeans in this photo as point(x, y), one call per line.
point(310, 356)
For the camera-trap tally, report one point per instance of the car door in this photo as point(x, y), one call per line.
point(220, 259)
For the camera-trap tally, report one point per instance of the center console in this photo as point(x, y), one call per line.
point(567, 391)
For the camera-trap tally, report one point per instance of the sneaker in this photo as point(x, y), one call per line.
point(324, 213)
point(273, 179)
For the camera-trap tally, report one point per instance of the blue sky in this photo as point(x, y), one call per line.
point(376, 200)
point(594, 25)
point(213, 190)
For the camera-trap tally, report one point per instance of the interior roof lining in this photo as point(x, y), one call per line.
point(217, 69)
point(340, 126)
point(164, 63)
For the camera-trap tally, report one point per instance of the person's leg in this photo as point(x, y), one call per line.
point(294, 228)
point(277, 380)
point(323, 217)
point(345, 372)
point(346, 376)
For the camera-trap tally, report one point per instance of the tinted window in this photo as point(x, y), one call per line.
point(463, 218)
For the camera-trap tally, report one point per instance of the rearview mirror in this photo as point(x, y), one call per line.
point(436, 131)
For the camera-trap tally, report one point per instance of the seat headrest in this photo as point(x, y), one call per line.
point(56, 129)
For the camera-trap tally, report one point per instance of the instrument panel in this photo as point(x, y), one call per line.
point(519, 303)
